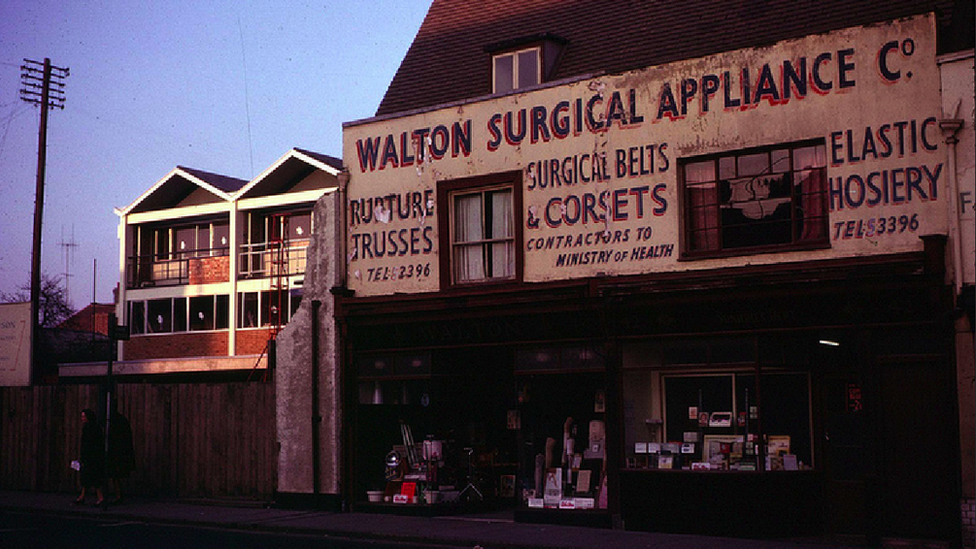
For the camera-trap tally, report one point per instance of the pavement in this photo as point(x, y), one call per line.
point(485, 531)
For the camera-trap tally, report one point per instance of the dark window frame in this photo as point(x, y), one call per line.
point(446, 191)
point(708, 232)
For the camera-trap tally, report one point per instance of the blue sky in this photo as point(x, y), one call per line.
point(222, 86)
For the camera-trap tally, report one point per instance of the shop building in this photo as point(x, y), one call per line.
point(212, 267)
point(615, 270)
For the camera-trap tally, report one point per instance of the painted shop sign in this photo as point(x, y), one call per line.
point(601, 159)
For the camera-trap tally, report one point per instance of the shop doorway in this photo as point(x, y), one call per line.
point(919, 487)
point(848, 456)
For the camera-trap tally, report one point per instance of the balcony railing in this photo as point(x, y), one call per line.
point(267, 259)
point(175, 269)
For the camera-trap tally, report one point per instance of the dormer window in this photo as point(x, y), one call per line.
point(524, 62)
point(516, 70)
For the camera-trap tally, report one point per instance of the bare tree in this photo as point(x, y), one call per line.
point(54, 307)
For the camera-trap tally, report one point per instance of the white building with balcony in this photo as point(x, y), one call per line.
point(212, 267)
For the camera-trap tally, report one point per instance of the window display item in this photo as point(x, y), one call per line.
point(597, 440)
point(553, 493)
point(583, 481)
point(720, 419)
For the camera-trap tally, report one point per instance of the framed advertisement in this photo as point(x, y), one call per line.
point(714, 445)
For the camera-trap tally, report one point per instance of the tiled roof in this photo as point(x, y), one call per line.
point(93, 318)
point(324, 158)
point(447, 61)
point(220, 182)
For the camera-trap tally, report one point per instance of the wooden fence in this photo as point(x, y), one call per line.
point(207, 440)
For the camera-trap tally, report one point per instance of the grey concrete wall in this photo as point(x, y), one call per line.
point(295, 365)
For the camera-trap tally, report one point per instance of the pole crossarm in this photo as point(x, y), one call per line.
point(37, 77)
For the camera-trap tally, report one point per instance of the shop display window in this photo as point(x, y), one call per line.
point(400, 379)
point(717, 414)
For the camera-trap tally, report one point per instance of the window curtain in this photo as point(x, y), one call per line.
point(704, 216)
point(502, 253)
point(468, 234)
point(811, 212)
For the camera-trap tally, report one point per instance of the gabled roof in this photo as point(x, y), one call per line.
point(288, 171)
point(93, 318)
point(331, 161)
point(178, 184)
point(447, 61)
point(224, 183)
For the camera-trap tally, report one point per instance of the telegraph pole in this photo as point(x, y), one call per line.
point(36, 81)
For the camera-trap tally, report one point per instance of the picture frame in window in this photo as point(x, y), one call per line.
point(777, 445)
point(712, 446)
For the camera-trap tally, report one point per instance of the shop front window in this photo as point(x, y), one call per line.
point(713, 414)
point(560, 418)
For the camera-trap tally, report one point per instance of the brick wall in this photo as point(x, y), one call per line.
point(209, 270)
point(252, 342)
point(176, 345)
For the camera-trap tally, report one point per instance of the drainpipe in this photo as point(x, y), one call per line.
point(949, 128)
point(341, 266)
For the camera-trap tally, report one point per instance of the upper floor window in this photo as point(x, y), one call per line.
point(756, 200)
point(275, 243)
point(517, 69)
point(478, 237)
point(179, 314)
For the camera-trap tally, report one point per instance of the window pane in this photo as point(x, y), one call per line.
point(781, 161)
point(469, 264)
point(221, 236)
point(300, 226)
point(708, 394)
point(296, 302)
point(697, 172)
point(265, 308)
point(503, 74)
point(257, 232)
point(248, 310)
point(185, 240)
point(502, 260)
point(528, 68)
point(811, 209)
point(137, 317)
point(222, 312)
point(501, 214)
point(726, 167)
point(467, 218)
point(202, 313)
point(162, 244)
point(179, 314)
point(203, 240)
point(160, 316)
point(703, 216)
point(810, 157)
point(753, 164)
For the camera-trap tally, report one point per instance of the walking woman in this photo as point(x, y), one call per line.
point(92, 456)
